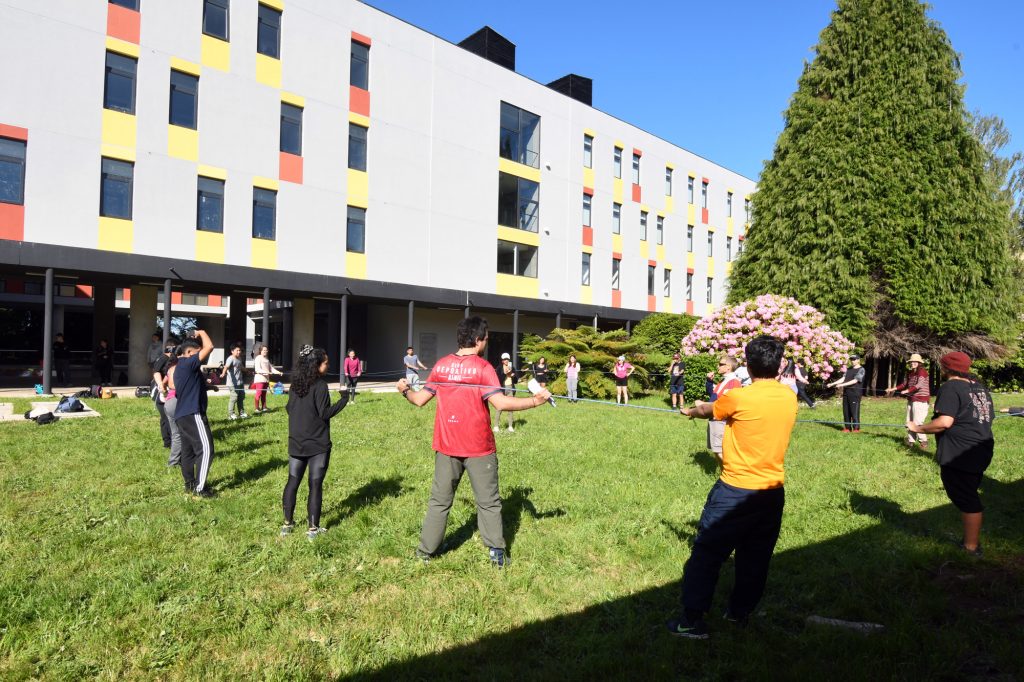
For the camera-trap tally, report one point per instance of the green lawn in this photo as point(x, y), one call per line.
point(110, 571)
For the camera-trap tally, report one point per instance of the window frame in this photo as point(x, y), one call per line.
point(193, 80)
point(710, 289)
point(689, 286)
point(616, 218)
point(689, 238)
point(636, 169)
point(520, 209)
point(588, 204)
point(258, 202)
point(354, 59)
point(355, 216)
point(115, 70)
point(652, 275)
point(616, 273)
point(216, 192)
point(703, 194)
point(728, 204)
point(265, 12)
point(109, 176)
point(666, 287)
point(728, 248)
point(643, 226)
point(522, 151)
point(659, 229)
point(588, 151)
point(517, 260)
point(689, 189)
point(711, 244)
point(355, 143)
point(21, 162)
point(617, 162)
point(290, 118)
point(668, 181)
point(224, 5)
point(585, 271)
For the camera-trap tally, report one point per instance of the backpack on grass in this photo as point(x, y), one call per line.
point(44, 418)
point(70, 404)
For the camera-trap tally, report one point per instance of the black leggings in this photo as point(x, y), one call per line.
point(350, 382)
point(317, 470)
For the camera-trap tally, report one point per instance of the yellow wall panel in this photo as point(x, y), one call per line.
point(586, 295)
point(691, 214)
point(709, 309)
point(511, 234)
point(670, 204)
point(116, 235)
point(588, 177)
point(216, 54)
point(643, 251)
point(118, 129)
point(114, 152)
point(184, 66)
point(587, 249)
point(266, 183)
point(123, 47)
point(293, 99)
point(213, 172)
point(519, 169)
point(666, 304)
point(689, 261)
point(711, 266)
point(183, 143)
point(355, 265)
point(359, 119)
point(617, 190)
point(274, 4)
point(660, 257)
point(523, 287)
point(358, 189)
point(617, 243)
point(209, 246)
point(268, 70)
point(264, 254)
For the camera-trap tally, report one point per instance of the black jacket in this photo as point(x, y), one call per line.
point(309, 420)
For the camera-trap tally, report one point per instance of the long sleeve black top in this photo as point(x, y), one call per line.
point(309, 420)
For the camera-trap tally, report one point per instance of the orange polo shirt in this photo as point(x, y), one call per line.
point(759, 419)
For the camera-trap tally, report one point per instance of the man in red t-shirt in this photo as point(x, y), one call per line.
point(464, 384)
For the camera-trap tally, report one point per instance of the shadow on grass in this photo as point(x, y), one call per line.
point(366, 495)
point(945, 616)
point(682, 534)
point(226, 428)
point(707, 461)
point(253, 473)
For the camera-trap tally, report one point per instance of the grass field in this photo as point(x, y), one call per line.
point(110, 571)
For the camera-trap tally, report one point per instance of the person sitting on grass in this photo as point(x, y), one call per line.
point(962, 425)
point(190, 413)
point(309, 436)
point(465, 384)
point(743, 512)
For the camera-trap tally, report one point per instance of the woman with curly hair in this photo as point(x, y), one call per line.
point(309, 436)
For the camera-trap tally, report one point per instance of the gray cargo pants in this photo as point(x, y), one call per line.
point(483, 476)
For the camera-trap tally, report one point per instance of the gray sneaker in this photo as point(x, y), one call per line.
point(287, 529)
point(312, 533)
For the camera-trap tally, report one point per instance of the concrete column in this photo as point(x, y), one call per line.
point(303, 316)
point(58, 318)
point(629, 327)
point(287, 329)
point(333, 337)
point(141, 324)
point(237, 318)
point(343, 332)
point(558, 320)
point(167, 310)
point(595, 323)
point(102, 316)
point(412, 317)
point(265, 332)
point(48, 334)
point(515, 339)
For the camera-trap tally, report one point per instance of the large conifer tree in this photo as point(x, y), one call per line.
point(875, 208)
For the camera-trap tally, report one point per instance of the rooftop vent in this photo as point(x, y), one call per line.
point(492, 46)
point(579, 88)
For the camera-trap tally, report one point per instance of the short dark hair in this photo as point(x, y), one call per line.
point(408, 347)
point(470, 331)
point(764, 356)
point(190, 342)
point(235, 345)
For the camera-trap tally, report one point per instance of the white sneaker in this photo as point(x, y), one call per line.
point(510, 429)
point(496, 429)
point(232, 417)
point(243, 416)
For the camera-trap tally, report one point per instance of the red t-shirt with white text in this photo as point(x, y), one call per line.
point(462, 423)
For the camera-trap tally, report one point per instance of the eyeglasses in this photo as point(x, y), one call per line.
point(723, 364)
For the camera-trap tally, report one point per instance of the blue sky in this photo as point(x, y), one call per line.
point(715, 77)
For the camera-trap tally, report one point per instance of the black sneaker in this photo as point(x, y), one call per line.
point(497, 556)
point(976, 552)
point(205, 493)
point(423, 556)
point(738, 621)
point(683, 627)
point(287, 529)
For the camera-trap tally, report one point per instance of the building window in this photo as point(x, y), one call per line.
point(666, 287)
point(359, 66)
point(36, 288)
point(643, 226)
point(215, 18)
point(616, 218)
point(195, 299)
point(210, 211)
point(585, 280)
point(268, 32)
point(689, 286)
point(355, 232)
point(119, 83)
point(520, 136)
point(739, 248)
point(130, 4)
point(728, 204)
point(711, 283)
point(668, 181)
point(703, 195)
point(636, 169)
point(264, 212)
point(517, 259)
point(357, 147)
point(291, 128)
point(116, 180)
point(616, 267)
point(518, 202)
point(617, 162)
point(586, 210)
point(660, 230)
point(728, 248)
point(650, 279)
point(689, 238)
point(689, 190)
point(746, 208)
point(711, 243)
point(588, 151)
point(184, 100)
point(12, 171)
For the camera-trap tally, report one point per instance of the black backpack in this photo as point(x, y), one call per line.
point(44, 418)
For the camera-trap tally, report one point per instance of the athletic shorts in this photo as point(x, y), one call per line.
point(962, 489)
point(676, 389)
point(622, 381)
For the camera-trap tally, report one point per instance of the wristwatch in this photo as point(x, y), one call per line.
point(405, 393)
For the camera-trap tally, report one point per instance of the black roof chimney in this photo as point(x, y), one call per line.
point(580, 88)
point(492, 46)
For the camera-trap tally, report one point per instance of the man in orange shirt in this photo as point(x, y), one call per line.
point(743, 512)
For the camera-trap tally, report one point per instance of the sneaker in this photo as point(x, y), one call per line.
point(205, 493)
point(287, 528)
point(976, 552)
point(683, 627)
point(312, 533)
point(846, 430)
point(497, 556)
point(496, 429)
point(856, 430)
point(243, 416)
point(423, 556)
point(511, 430)
point(738, 621)
point(232, 417)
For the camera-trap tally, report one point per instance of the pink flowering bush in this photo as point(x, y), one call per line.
point(801, 327)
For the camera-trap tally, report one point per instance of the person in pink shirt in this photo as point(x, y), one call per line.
point(622, 370)
point(572, 379)
point(353, 369)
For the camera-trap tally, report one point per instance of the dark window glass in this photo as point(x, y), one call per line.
point(689, 238)
point(689, 190)
point(586, 210)
point(356, 147)
point(617, 162)
point(650, 280)
point(519, 138)
point(518, 202)
point(130, 4)
point(643, 225)
point(184, 100)
point(616, 218)
point(636, 169)
point(586, 270)
point(215, 18)
point(728, 205)
point(703, 195)
point(210, 212)
point(711, 284)
point(517, 259)
point(689, 286)
point(119, 83)
point(264, 213)
point(668, 182)
point(355, 234)
point(359, 66)
point(667, 287)
point(116, 178)
point(660, 230)
point(291, 129)
point(12, 171)
point(268, 32)
point(616, 265)
point(588, 151)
